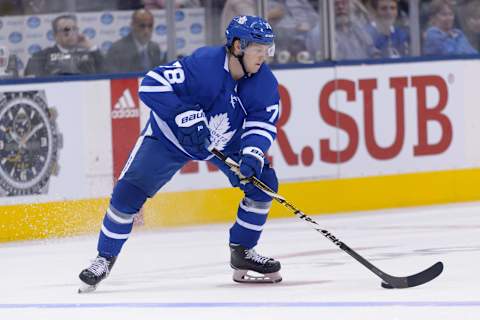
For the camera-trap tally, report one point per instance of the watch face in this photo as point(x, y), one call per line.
point(28, 142)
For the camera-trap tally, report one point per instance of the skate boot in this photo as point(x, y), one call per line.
point(96, 272)
point(244, 260)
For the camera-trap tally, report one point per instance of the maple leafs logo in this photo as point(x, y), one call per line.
point(242, 19)
point(219, 125)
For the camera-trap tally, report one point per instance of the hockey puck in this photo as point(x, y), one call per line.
point(386, 285)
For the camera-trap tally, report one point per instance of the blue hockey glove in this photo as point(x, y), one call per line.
point(251, 162)
point(191, 129)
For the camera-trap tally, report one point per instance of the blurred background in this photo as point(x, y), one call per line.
point(308, 31)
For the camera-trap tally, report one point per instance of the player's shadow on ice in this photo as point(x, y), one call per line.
point(122, 288)
point(279, 284)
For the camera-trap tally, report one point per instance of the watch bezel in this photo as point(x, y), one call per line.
point(37, 101)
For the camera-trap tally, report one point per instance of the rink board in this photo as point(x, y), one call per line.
point(348, 138)
point(168, 209)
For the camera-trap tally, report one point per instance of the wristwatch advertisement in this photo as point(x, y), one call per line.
point(29, 143)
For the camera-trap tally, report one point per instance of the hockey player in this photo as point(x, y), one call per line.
point(224, 97)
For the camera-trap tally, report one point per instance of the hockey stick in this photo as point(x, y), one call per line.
point(388, 282)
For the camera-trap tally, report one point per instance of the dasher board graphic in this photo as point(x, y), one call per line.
point(125, 107)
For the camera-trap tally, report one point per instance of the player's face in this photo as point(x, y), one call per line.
point(255, 55)
point(66, 34)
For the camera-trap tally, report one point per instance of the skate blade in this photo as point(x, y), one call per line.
point(86, 288)
point(243, 276)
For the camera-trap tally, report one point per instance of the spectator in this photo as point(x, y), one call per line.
point(8, 64)
point(129, 4)
point(360, 11)
point(162, 4)
point(136, 52)
point(72, 53)
point(313, 43)
point(403, 19)
point(33, 7)
point(351, 39)
point(11, 7)
point(441, 38)
point(472, 24)
point(292, 29)
point(92, 6)
point(391, 41)
point(425, 11)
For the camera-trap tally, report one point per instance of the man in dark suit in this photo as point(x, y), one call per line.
point(72, 53)
point(136, 52)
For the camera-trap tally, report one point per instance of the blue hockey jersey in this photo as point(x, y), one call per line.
point(239, 113)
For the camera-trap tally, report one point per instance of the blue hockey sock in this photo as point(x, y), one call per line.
point(251, 216)
point(126, 201)
point(114, 233)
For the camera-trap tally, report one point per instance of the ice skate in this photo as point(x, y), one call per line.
point(245, 261)
point(96, 272)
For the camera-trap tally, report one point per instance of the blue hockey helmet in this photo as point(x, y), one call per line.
point(249, 29)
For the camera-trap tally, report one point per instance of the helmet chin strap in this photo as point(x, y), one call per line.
point(240, 59)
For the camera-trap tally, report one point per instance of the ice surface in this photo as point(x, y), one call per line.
point(183, 273)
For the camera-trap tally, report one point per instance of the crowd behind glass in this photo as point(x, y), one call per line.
point(308, 31)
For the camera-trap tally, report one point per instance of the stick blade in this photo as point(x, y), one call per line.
point(418, 279)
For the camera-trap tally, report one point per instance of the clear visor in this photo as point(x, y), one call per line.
point(260, 49)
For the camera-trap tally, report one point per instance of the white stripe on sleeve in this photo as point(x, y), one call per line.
point(259, 132)
point(259, 124)
point(155, 89)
